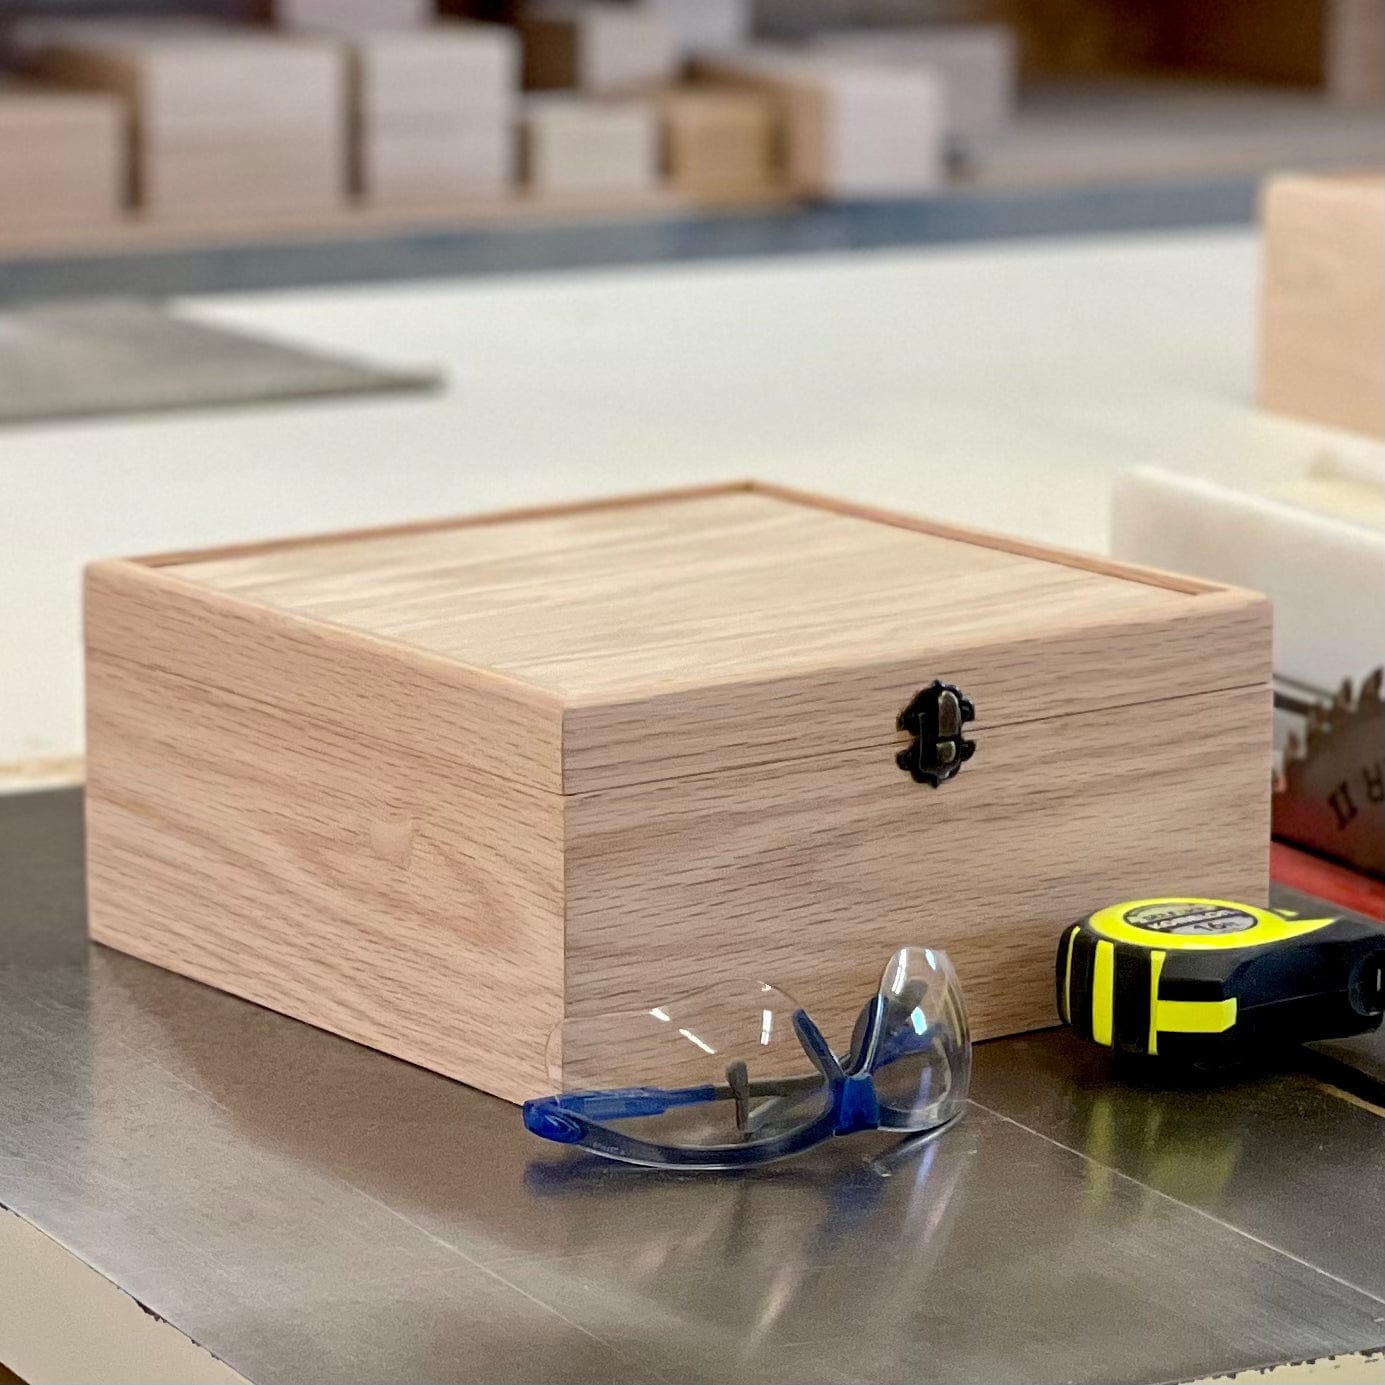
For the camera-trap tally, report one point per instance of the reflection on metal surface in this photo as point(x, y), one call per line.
point(839, 1205)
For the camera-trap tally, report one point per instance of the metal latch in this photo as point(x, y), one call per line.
point(934, 720)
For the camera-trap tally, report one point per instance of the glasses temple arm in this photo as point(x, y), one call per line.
point(626, 1103)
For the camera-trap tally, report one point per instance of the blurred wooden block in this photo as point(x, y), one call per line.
point(184, 78)
point(1322, 326)
point(597, 47)
point(348, 16)
point(438, 164)
point(976, 63)
point(434, 113)
point(1354, 60)
point(64, 155)
point(705, 26)
point(718, 141)
point(246, 176)
point(445, 72)
point(573, 145)
point(224, 119)
point(850, 128)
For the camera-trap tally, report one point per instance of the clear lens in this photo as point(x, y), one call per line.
point(723, 1067)
point(921, 1057)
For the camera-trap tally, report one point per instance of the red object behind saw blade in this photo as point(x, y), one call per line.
point(1313, 875)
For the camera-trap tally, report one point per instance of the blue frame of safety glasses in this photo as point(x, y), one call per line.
point(574, 1118)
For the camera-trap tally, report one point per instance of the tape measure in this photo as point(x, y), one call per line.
point(1208, 980)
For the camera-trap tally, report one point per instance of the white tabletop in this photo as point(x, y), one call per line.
point(1000, 386)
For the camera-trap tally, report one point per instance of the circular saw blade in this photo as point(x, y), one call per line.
point(1330, 796)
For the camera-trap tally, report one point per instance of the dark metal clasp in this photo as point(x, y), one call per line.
point(934, 719)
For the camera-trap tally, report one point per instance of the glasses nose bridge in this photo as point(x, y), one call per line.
point(858, 1106)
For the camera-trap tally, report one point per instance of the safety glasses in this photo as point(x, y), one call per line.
point(738, 1074)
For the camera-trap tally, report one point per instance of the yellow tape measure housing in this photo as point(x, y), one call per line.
point(1174, 924)
point(1183, 974)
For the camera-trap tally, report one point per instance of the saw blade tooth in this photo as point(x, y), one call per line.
point(1344, 700)
point(1370, 687)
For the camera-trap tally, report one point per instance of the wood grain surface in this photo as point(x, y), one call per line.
point(385, 892)
point(1322, 328)
point(635, 601)
point(582, 758)
point(807, 873)
point(368, 688)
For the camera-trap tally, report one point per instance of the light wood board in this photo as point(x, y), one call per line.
point(1322, 326)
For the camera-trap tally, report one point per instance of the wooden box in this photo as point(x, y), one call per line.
point(64, 156)
point(1322, 311)
point(225, 120)
point(572, 144)
point(596, 47)
point(851, 127)
point(434, 787)
point(719, 142)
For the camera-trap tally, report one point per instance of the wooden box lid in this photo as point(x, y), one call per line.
point(626, 641)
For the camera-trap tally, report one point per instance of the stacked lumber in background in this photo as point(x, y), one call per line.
point(224, 120)
point(434, 113)
point(63, 156)
point(380, 102)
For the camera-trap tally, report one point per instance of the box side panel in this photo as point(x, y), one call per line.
point(368, 687)
point(808, 874)
point(1215, 641)
point(378, 891)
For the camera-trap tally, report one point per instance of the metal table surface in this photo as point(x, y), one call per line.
point(306, 1209)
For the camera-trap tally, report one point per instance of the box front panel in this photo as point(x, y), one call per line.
point(373, 890)
point(806, 874)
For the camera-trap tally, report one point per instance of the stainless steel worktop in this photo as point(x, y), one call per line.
point(307, 1209)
